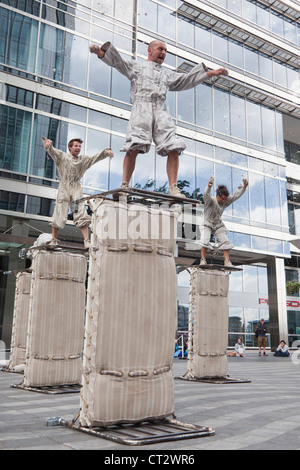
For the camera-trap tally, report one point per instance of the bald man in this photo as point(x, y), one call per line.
point(150, 119)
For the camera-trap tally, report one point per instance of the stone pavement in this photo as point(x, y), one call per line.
point(263, 414)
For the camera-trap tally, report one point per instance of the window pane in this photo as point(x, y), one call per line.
point(204, 170)
point(289, 30)
point(236, 54)
point(263, 16)
point(62, 56)
point(280, 76)
point(257, 197)
point(99, 76)
point(236, 320)
point(186, 32)
point(220, 47)
point(236, 281)
point(273, 201)
point(269, 128)
point(166, 22)
point(202, 39)
point(147, 16)
point(237, 117)
point(250, 279)
point(186, 105)
point(186, 178)
point(262, 280)
point(18, 39)
point(265, 67)
point(235, 6)
point(144, 173)
point(120, 88)
point(15, 132)
point(116, 163)
point(249, 11)
point(221, 112)
point(204, 106)
point(251, 61)
point(96, 177)
point(277, 23)
point(259, 243)
point(293, 79)
point(254, 123)
point(240, 208)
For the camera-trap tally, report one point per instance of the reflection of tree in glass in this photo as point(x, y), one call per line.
point(183, 185)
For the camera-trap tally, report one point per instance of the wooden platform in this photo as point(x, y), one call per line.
point(216, 267)
point(142, 196)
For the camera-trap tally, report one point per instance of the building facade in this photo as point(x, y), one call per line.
point(245, 125)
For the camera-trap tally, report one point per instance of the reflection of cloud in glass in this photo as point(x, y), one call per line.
point(75, 131)
point(250, 279)
point(186, 167)
point(144, 169)
point(183, 279)
point(97, 176)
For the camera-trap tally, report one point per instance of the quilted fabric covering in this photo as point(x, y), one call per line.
point(56, 319)
point(209, 323)
point(20, 320)
point(131, 306)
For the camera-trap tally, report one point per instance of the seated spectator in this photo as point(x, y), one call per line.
point(282, 350)
point(239, 349)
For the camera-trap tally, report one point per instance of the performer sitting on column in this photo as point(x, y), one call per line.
point(150, 118)
point(213, 210)
point(71, 167)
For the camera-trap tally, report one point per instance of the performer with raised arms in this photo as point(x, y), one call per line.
point(150, 119)
point(71, 167)
point(213, 210)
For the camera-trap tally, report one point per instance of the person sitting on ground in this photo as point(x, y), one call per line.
point(213, 210)
point(282, 350)
point(239, 349)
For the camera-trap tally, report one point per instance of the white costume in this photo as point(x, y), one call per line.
point(71, 169)
point(212, 218)
point(150, 118)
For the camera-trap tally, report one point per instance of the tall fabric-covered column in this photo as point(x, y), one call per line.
point(20, 321)
point(56, 319)
point(208, 323)
point(131, 316)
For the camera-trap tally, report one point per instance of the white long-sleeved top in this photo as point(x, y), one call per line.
point(213, 210)
point(150, 80)
point(71, 169)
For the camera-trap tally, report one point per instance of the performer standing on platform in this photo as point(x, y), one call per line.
point(150, 118)
point(213, 210)
point(71, 167)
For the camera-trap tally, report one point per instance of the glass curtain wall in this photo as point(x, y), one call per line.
point(47, 42)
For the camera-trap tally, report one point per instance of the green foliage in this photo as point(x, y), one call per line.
point(292, 287)
point(183, 185)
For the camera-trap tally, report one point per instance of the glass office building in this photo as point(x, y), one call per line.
point(245, 125)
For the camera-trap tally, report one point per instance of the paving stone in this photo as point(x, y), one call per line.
point(263, 414)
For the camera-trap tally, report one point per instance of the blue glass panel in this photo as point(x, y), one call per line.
point(14, 138)
point(18, 39)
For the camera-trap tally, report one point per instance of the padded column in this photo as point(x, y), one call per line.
point(131, 316)
point(20, 321)
point(208, 323)
point(56, 319)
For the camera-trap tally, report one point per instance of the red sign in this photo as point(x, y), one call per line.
point(289, 303)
